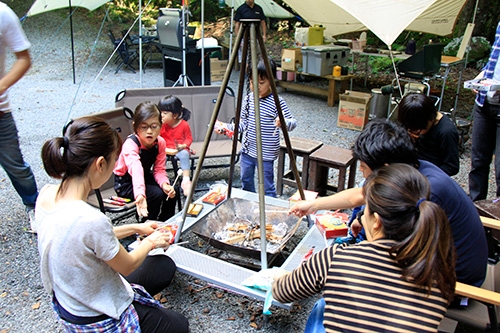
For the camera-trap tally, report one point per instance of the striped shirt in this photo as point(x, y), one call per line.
point(489, 69)
point(363, 290)
point(270, 135)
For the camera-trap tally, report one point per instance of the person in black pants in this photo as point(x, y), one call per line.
point(486, 130)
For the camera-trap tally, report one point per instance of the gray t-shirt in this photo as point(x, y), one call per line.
point(74, 241)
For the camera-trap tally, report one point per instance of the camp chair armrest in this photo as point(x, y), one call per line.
point(488, 222)
point(477, 293)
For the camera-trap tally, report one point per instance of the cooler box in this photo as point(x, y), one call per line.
point(319, 60)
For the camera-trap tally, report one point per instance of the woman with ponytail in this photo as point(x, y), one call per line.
point(401, 279)
point(94, 283)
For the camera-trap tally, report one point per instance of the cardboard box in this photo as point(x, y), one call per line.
point(217, 69)
point(482, 85)
point(217, 65)
point(332, 224)
point(310, 195)
point(291, 59)
point(354, 109)
point(358, 45)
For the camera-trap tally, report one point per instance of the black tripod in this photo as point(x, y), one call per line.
point(250, 33)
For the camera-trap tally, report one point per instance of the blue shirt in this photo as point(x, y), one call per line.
point(466, 226)
point(489, 69)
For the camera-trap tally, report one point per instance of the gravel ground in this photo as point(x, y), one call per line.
point(42, 102)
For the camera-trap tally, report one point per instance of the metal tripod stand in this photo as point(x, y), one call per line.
point(250, 33)
point(183, 78)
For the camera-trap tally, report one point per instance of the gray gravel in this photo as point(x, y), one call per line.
point(43, 101)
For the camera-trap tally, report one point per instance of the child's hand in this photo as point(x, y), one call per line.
point(168, 190)
point(171, 151)
point(220, 127)
point(141, 206)
point(277, 122)
point(181, 146)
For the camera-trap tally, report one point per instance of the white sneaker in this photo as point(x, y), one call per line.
point(32, 220)
point(186, 186)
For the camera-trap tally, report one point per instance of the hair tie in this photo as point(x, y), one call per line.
point(419, 202)
point(65, 142)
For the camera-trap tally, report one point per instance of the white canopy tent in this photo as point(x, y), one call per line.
point(270, 8)
point(387, 19)
point(41, 6)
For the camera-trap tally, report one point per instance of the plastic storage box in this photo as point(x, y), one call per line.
point(319, 60)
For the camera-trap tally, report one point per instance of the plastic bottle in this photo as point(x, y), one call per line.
point(337, 70)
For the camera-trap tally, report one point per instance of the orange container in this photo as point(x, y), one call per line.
point(337, 70)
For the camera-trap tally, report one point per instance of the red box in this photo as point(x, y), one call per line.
point(332, 224)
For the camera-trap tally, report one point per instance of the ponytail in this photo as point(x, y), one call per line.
point(424, 248)
point(427, 255)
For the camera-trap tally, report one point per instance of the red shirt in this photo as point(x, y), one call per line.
point(180, 134)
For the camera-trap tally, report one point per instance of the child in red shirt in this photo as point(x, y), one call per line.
point(177, 134)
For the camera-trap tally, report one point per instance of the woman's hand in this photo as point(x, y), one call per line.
point(159, 239)
point(147, 228)
point(168, 190)
point(302, 208)
point(141, 205)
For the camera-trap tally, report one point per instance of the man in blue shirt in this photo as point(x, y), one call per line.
point(383, 142)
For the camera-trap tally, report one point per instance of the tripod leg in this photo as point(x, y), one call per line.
point(210, 130)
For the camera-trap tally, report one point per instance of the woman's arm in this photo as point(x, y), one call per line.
point(349, 198)
point(306, 280)
point(127, 262)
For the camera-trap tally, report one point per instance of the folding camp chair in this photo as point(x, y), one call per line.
point(116, 119)
point(483, 306)
point(126, 55)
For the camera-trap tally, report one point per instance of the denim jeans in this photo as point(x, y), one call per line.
point(485, 144)
point(248, 166)
point(183, 157)
point(314, 323)
point(12, 162)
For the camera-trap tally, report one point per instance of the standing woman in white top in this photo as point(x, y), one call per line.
point(95, 284)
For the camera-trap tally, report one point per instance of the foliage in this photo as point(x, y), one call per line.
point(125, 11)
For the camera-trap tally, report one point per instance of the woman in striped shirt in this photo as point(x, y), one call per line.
point(401, 279)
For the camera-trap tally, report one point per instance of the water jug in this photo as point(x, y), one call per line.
point(337, 70)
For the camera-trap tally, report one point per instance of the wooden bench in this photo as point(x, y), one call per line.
point(301, 148)
point(329, 157)
point(200, 100)
point(336, 86)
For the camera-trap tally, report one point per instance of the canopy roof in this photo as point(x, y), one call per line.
point(387, 19)
point(270, 8)
point(41, 6)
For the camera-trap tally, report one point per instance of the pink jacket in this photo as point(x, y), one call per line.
point(130, 161)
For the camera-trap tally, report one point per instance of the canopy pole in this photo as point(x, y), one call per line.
point(140, 43)
point(72, 41)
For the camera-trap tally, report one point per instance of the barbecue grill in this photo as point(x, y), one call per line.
point(241, 211)
point(170, 30)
